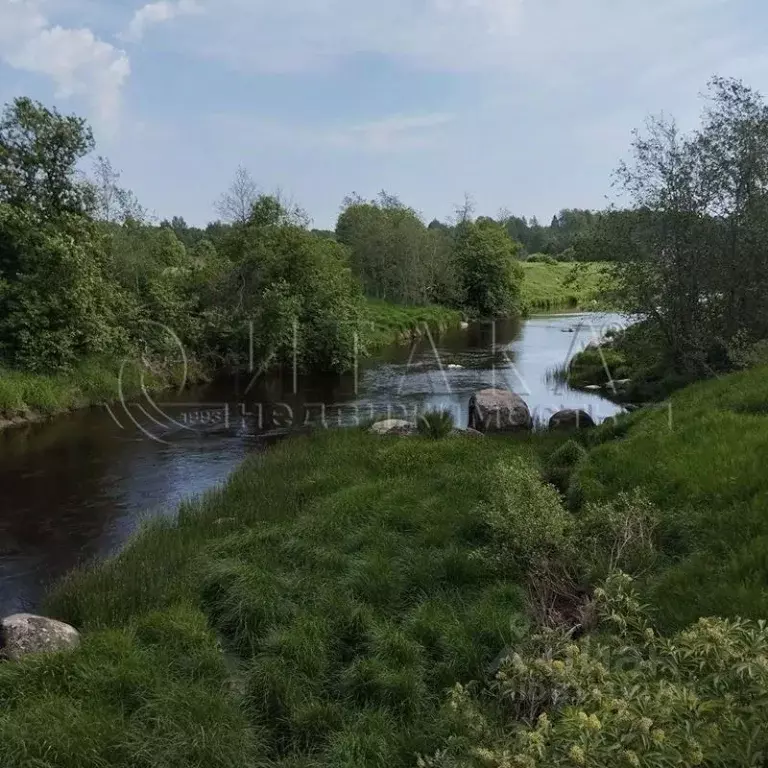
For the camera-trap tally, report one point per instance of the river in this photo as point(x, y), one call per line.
point(77, 487)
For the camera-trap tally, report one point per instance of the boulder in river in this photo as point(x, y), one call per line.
point(499, 410)
point(571, 419)
point(394, 427)
point(24, 633)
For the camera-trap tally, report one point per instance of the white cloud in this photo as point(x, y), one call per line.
point(391, 133)
point(536, 41)
point(78, 62)
point(297, 35)
point(394, 133)
point(158, 13)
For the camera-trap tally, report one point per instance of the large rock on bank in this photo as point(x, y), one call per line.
point(499, 410)
point(23, 634)
point(394, 427)
point(569, 420)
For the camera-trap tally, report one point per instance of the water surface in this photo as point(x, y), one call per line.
point(76, 488)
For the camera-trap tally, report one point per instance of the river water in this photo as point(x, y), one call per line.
point(77, 487)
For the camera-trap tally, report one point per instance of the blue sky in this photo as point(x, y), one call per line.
point(527, 105)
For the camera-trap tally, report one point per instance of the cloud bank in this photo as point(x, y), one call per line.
point(77, 61)
point(154, 14)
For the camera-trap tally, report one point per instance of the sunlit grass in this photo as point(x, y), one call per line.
point(391, 323)
point(340, 571)
point(564, 285)
point(92, 382)
point(701, 460)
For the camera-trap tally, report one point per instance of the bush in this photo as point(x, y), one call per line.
point(436, 424)
point(561, 464)
point(57, 301)
point(626, 696)
point(618, 535)
point(526, 519)
point(597, 366)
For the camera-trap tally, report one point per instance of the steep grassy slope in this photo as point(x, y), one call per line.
point(702, 459)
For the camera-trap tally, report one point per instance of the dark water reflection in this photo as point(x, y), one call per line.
point(77, 487)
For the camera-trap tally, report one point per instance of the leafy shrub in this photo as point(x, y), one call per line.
point(526, 518)
point(597, 366)
point(562, 463)
point(624, 697)
point(618, 535)
point(57, 302)
point(436, 424)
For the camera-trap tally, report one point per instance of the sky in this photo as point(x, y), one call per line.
point(526, 105)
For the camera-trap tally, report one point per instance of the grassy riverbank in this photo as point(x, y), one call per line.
point(340, 573)
point(26, 397)
point(634, 355)
point(564, 285)
point(700, 457)
point(315, 610)
point(392, 323)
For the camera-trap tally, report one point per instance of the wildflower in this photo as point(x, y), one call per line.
point(594, 723)
point(577, 755)
point(658, 736)
point(632, 758)
point(645, 724)
point(696, 756)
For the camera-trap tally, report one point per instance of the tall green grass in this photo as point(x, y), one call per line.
point(386, 323)
point(701, 458)
point(92, 382)
point(340, 574)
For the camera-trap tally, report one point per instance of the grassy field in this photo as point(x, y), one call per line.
point(392, 323)
point(564, 285)
point(701, 458)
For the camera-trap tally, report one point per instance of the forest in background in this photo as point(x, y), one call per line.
point(87, 274)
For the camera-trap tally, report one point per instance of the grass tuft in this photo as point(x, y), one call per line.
point(436, 424)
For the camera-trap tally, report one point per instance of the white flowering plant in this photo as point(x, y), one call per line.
point(624, 696)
